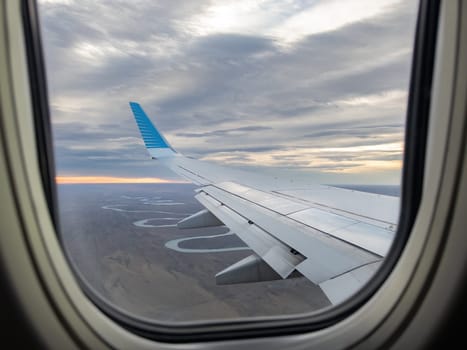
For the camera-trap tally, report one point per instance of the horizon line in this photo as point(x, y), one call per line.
point(114, 180)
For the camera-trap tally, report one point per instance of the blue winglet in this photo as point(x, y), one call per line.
point(151, 136)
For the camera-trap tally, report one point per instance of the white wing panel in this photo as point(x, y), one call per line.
point(306, 223)
point(322, 220)
point(326, 256)
point(371, 208)
point(370, 237)
point(366, 205)
point(340, 288)
point(270, 201)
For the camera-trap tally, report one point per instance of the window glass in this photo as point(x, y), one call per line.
point(298, 92)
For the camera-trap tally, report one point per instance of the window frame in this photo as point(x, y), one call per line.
point(418, 104)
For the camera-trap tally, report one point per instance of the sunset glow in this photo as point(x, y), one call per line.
point(112, 180)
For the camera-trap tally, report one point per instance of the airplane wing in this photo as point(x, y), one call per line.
point(335, 237)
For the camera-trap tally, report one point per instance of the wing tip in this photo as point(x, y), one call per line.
point(152, 137)
point(134, 104)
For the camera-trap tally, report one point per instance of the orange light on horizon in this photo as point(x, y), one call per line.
point(112, 180)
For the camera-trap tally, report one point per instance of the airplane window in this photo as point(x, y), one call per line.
point(227, 160)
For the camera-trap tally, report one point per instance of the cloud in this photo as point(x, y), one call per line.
point(110, 180)
point(224, 132)
point(246, 82)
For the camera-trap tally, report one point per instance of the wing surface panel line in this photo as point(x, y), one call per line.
point(297, 221)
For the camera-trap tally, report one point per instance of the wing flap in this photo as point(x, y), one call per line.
point(340, 288)
point(277, 254)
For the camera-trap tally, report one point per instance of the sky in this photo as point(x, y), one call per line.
point(314, 89)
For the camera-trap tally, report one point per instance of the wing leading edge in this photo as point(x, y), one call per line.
point(336, 238)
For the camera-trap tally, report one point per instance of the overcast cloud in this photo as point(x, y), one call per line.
point(320, 86)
